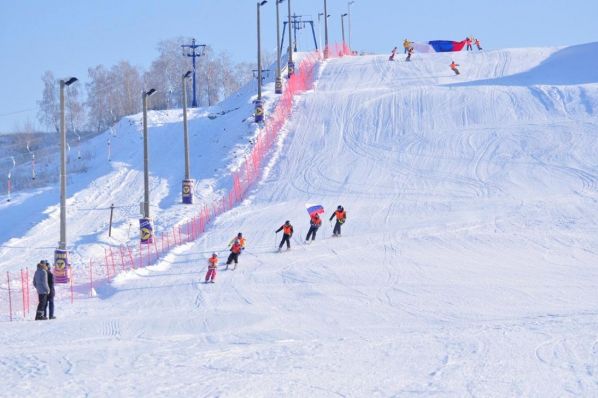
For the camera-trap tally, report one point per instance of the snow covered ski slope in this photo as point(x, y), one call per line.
point(467, 265)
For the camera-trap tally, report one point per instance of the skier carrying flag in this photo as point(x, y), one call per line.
point(341, 217)
point(287, 232)
point(314, 223)
point(235, 250)
point(212, 266)
point(454, 68)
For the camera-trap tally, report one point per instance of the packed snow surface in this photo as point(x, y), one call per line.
point(468, 264)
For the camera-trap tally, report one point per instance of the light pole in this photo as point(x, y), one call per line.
point(291, 64)
point(197, 50)
point(325, 31)
point(259, 105)
point(343, 29)
point(278, 82)
point(61, 263)
point(187, 181)
point(349, 12)
point(145, 224)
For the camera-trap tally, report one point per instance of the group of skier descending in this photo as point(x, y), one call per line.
point(409, 49)
point(237, 244)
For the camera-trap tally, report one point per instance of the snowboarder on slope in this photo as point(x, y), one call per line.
point(409, 52)
point(341, 217)
point(314, 223)
point(40, 281)
point(212, 267)
point(287, 232)
point(235, 250)
point(392, 54)
point(454, 68)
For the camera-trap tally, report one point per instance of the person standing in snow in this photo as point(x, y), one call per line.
point(406, 45)
point(468, 43)
point(454, 68)
point(287, 232)
point(40, 281)
point(52, 293)
point(235, 250)
point(341, 217)
point(478, 45)
point(314, 223)
point(392, 54)
point(212, 267)
point(409, 52)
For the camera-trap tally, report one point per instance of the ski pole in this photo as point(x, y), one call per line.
point(275, 239)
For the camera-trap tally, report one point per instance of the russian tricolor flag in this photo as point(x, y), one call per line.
point(439, 46)
point(314, 209)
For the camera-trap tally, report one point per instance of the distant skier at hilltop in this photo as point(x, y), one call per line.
point(409, 52)
point(454, 68)
point(468, 43)
point(341, 217)
point(478, 45)
point(287, 232)
point(392, 54)
point(406, 45)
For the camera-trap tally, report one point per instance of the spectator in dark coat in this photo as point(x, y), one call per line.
point(50, 305)
point(40, 281)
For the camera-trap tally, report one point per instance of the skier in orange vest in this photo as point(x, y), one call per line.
point(341, 217)
point(235, 250)
point(212, 267)
point(287, 232)
point(454, 68)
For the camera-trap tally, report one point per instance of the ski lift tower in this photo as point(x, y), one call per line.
point(195, 50)
point(298, 23)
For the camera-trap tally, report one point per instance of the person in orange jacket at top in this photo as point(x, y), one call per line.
point(468, 43)
point(287, 232)
point(478, 45)
point(235, 250)
point(212, 267)
point(454, 68)
point(341, 217)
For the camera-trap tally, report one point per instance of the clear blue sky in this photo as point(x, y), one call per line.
point(68, 36)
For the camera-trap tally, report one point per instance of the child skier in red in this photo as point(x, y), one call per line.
point(454, 68)
point(478, 45)
point(212, 267)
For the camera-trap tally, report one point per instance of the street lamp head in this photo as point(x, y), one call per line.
point(263, 2)
point(280, 1)
point(344, 15)
point(70, 81)
point(186, 75)
point(150, 92)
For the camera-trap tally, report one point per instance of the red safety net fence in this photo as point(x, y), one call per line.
point(18, 297)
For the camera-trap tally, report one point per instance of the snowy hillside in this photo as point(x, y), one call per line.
point(467, 266)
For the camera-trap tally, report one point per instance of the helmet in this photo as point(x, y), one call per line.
point(287, 222)
point(339, 207)
point(214, 255)
point(239, 234)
